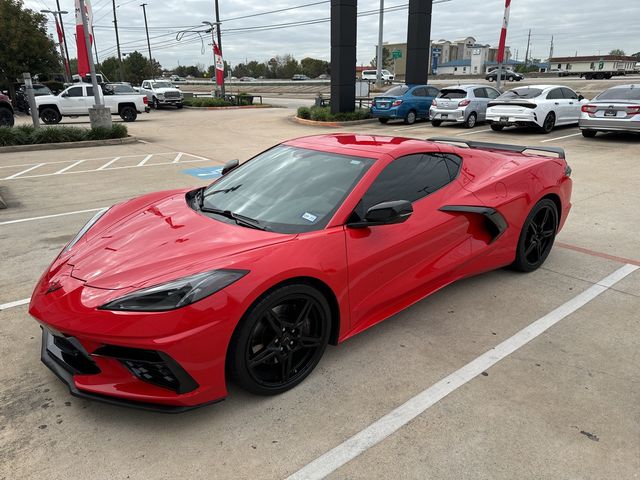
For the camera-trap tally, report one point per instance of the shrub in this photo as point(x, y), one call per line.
point(323, 114)
point(206, 102)
point(304, 112)
point(27, 135)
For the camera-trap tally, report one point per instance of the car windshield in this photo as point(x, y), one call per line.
point(397, 91)
point(161, 85)
point(620, 94)
point(524, 92)
point(288, 189)
point(451, 94)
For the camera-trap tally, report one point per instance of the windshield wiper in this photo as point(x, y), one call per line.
point(239, 219)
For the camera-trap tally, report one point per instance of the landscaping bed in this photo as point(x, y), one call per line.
point(28, 135)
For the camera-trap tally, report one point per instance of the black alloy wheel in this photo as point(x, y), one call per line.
point(50, 116)
point(128, 114)
point(537, 236)
point(589, 133)
point(281, 340)
point(549, 123)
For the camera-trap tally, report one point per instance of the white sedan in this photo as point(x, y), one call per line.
point(542, 106)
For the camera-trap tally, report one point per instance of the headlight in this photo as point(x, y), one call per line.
point(85, 229)
point(160, 96)
point(176, 293)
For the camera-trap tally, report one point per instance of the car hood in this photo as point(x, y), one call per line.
point(158, 242)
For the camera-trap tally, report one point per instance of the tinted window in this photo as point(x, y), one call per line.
point(420, 92)
point(124, 89)
point(410, 178)
point(568, 93)
point(75, 92)
point(480, 93)
point(450, 93)
point(491, 93)
point(524, 92)
point(397, 91)
point(432, 91)
point(89, 92)
point(145, 85)
point(620, 94)
point(288, 189)
point(555, 94)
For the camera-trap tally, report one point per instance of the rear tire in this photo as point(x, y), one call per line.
point(383, 121)
point(436, 123)
point(510, 78)
point(179, 106)
point(6, 117)
point(410, 119)
point(471, 120)
point(128, 114)
point(496, 128)
point(549, 123)
point(589, 133)
point(50, 116)
point(537, 236)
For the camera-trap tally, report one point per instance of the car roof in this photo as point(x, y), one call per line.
point(542, 87)
point(628, 85)
point(467, 86)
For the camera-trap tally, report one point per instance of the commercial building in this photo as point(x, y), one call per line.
point(594, 63)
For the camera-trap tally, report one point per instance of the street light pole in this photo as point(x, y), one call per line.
point(146, 26)
point(115, 24)
point(379, 55)
point(63, 41)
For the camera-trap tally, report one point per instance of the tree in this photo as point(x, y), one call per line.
point(110, 69)
point(136, 68)
point(24, 44)
point(617, 51)
point(314, 67)
point(387, 59)
point(637, 54)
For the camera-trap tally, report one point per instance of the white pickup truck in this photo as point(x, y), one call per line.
point(161, 92)
point(76, 100)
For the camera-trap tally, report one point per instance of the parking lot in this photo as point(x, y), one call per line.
point(558, 403)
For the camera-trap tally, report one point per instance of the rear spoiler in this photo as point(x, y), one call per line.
point(497, 146)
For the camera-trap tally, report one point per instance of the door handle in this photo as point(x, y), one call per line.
point(557, 103)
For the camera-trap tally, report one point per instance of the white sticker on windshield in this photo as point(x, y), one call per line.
point(309, 217)
point(355, 162)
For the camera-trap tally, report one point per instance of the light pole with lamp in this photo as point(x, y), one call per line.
point(63, 41)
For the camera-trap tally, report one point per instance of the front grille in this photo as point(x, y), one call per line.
point(172, 95)
point(68, 352)
point(151, 366)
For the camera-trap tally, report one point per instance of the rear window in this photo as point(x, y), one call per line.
point(525, 92)
point(451, 93)
point(620, 94)
point(397, 91)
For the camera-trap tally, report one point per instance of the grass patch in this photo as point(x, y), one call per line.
point(28, 135)
point(206, 102)
point(323, 114)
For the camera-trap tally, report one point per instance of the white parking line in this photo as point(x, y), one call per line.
point(24, 171)
point(178, 157)
point(31, 219)
point(108, 163)
point(68, 167)
point(393, 421)
point(473, 132)
point(17, 303)
point(560, 138)
point(144, 160)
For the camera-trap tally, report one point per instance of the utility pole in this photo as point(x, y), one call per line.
point(66, 49)
point(63, 41)
point(379, 56)
point(146, 26)
point(550, 55)
point(95, 48)
point(526, 55)
point(219, 41)
point(115, 24)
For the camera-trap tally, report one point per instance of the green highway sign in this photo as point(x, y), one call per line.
point(396, 54)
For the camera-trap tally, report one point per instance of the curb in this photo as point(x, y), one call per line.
point(63, 145)
point(236, 107)
point(315, 123)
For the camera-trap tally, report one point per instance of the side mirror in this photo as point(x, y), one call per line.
point(230, 165)
point(386, 213)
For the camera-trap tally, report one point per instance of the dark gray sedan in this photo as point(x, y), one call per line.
point(614, 110)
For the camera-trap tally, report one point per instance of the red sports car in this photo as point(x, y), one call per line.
point(159, 301)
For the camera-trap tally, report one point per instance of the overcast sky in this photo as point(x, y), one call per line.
point(585, 26)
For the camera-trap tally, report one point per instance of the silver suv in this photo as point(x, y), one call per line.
point(466, 104)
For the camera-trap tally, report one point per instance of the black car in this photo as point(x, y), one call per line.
point(507, 74)
point(118, 88)
point(6, 111)
point(22, 102)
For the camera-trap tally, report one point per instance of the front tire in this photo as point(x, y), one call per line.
point(280, 339)
point(155, 103)
point(436, 123)
point(50, 116)
point(410, 119)
point(179, 106)
point(537, 236)
point(496, 128)
point(549, 123)
point(383, 121)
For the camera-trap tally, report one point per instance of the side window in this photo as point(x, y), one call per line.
point(145, 85)
point(411, 178)
point(555, 94)
point(568, 93)
point(419, 92)
point(480, 93)
point(75, 92)
point(491, 93)
point(432, 92)
point(89, 92)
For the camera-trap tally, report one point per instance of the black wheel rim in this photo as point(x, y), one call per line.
point(539, 236)
point(128, 114)
point(49, 117)
point(548, 123)
point(286, 341)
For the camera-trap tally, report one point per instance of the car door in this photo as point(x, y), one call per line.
point(491, 94)
point(573, 105)
point(89, 99)
point(391, 266)
point(558, 104)
point(479, 102)
point(419, 101)
point(71, 101)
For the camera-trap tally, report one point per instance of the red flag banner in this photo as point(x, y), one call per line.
point(503, 32)
point(217, 54)
point(83, 57)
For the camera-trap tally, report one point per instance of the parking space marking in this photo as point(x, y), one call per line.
point(473, 132)
point(397, 418)
point(179, 158)
point(560, 138)
point(404, 129)
point(43, 217)
point(17, 303)
point(594, 253)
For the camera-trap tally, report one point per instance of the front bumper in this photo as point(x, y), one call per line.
point(170, 101)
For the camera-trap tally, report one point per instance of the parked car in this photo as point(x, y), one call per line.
point(299, 76)
point(119, 88)
point(159, 302)
point(466, 104)
point(177, 78)
point(247, 79)
point(323, 76)
point(87, 78)
point(77, 99)
point(372, 75)
point(541, 106)
point(406, 102)
point(161, 92)
point(22, 101)
point(507, 74)
point(614, 110)
point(6, 111)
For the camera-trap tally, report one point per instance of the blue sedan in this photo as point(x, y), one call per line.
point(406, 102)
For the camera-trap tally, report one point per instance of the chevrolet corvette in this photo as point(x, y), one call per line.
point(161, 300)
